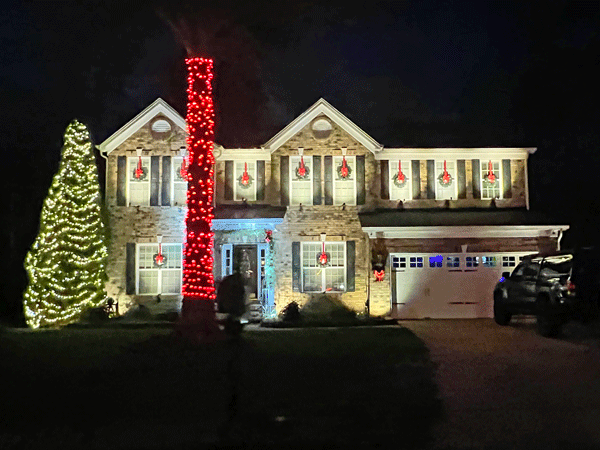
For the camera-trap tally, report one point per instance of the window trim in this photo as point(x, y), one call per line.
point(323, 280)
point(500, 178)
point(408, 187)
point(292, 175)
point(334, 165)
point(138, 245)
point(454, 178)
point(251, 163)
point(128, 172)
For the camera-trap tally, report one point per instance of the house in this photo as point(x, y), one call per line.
point(323, 209)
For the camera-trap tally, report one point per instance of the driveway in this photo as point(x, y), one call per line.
point(507, 387)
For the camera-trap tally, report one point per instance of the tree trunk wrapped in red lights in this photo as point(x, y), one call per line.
point(198, 283)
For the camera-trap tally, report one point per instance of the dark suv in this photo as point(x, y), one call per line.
point(555, 288)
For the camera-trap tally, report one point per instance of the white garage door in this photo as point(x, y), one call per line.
point(447, 286)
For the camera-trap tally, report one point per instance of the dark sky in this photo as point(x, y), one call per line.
point(440, 73)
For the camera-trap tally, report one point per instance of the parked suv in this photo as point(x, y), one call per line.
point(554, 287)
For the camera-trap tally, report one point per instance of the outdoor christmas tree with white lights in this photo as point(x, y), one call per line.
point(67, 261)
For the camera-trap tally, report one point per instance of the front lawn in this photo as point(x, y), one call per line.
point(101, 388)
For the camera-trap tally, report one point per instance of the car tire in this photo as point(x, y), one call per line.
point(547, 324)
point(501, 316)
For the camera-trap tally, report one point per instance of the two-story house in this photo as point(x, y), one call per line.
point(323, 209)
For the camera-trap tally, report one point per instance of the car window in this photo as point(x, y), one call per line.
point(531, 270)
point(518, 272)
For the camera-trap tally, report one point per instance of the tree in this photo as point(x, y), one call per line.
point(67, 261)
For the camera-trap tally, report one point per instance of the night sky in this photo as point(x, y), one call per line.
point(422, 74)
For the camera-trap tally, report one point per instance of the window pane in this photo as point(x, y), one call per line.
point(171, 281)
point(301, 187)
point(310, 252)
point(179, 183)
point(312, 280)
point(248, 192)
point(334, 279)
point(148, 282)
point(146, 256)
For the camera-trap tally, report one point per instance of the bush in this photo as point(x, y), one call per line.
point(328, 309)
point(139, 312)
point(169, 316)
point(291, 313)
point(95, 315)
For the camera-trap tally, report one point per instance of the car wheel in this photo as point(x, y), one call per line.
point(547, 325)
point(501, 316)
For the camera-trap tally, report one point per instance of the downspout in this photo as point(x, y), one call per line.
point(105, 170)
point(527, 183)
point(560, 235)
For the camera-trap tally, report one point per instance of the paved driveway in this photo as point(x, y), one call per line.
point(507, 387)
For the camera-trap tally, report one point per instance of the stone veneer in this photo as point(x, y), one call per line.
point(306, 225)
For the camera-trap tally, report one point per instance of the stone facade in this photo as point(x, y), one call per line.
point(142, 224)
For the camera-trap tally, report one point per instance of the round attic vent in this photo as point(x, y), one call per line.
point(321, 128)
point(161, 126)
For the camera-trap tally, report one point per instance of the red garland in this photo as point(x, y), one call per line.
point(139, 171)
point(379, 274)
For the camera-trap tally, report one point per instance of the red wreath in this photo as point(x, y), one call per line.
point(379, 274)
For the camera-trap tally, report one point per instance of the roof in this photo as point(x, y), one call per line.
point(453, 217)
point(222, 212)
point(158, 107)
point(322, 107)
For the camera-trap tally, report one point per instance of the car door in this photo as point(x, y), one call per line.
point(528, 286)
point(520, 286)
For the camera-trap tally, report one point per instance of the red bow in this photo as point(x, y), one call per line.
point(379, 274)
point(245, 177)
point(400, 174)
point(139, 171)
point(446, 176)
point(344, 171)
point(301, 167)
point(491, 177)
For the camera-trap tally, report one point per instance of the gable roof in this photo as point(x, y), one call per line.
point(322, 107)
point(159, 106)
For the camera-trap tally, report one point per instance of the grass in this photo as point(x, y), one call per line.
point(138, 388)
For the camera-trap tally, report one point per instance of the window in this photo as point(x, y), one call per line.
point(489, 261)
point(453, 261)
point(328, 278)
point(179, 192)
point(508, 261)
point(247, 192)
point(490, 190)
point(436, 261)
point(399, 190)
point(416, 262)
point(301, 186)
point(153, 279)
point(472, 261)
point(449, 191)
point(344, 189)
point(399, 262)
point(138, 182)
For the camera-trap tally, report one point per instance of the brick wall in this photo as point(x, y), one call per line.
point(306, 226)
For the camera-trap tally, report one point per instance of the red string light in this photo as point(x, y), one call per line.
point(198, 281)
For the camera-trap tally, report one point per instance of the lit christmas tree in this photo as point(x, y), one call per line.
point(67, 261)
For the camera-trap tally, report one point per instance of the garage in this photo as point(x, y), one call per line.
point(447, 286)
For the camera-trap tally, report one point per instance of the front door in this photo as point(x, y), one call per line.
point(245, 260)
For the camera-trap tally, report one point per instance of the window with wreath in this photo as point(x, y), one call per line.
point(179, 183)
point(399, 180)
point(244, 176)
point(138, 181)
point(301, 180)
point(490, 179)
point(445, 180)
point(323, 274)
point(159, 269)
point(344, 180)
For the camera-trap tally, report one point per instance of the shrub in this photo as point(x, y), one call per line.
point(291, 313)
point(328, 309)
point(95, 315)
point(139, 312)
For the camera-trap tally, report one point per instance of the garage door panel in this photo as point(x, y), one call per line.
point(447, 286)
